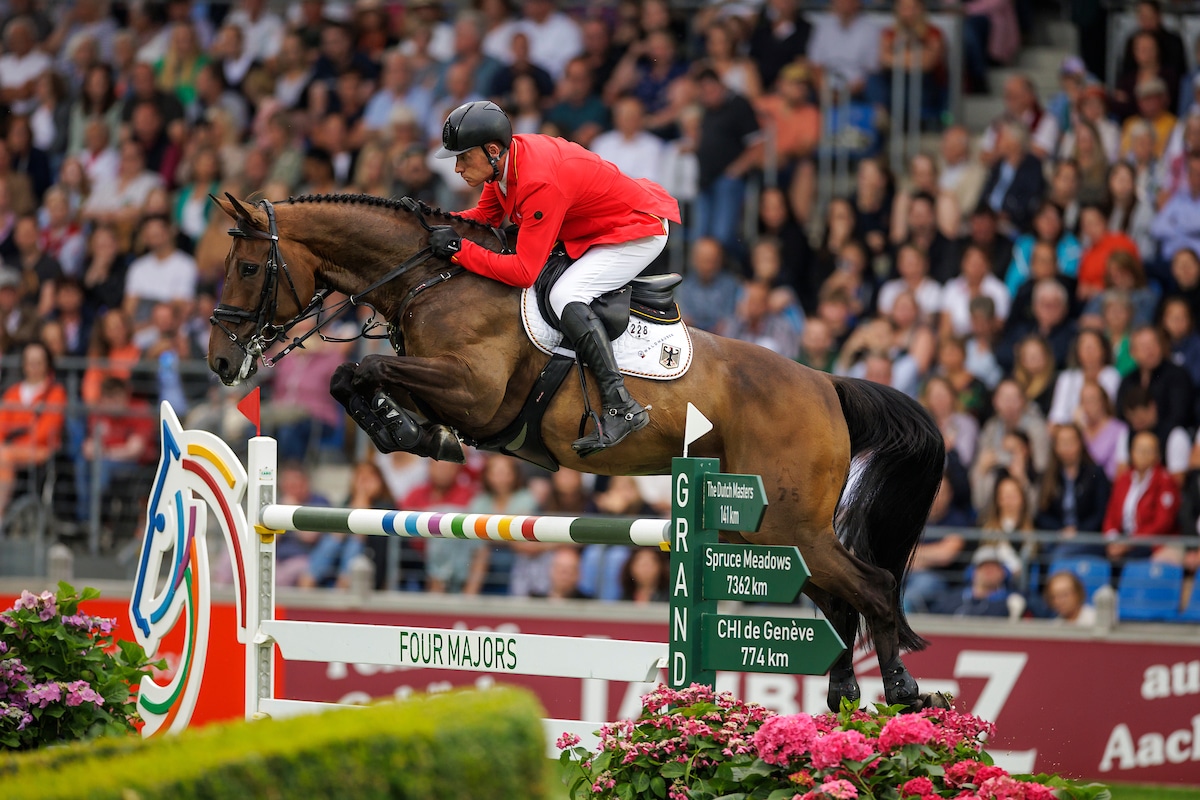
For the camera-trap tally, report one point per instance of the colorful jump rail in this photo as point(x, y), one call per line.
point(702, 572)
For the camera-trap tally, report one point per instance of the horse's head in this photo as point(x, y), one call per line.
point(261, 292)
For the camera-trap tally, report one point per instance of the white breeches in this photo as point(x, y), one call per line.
point(603, 268)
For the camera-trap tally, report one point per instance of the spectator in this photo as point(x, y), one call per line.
point(1170, 46)
point(1067, 601)
point(563, 574)
point(1098, 244)
point(981, 344)
point(976, 280)
point(1141, 412)
point(838, 309)
point(31, 420)
point(911, 36)
point(21, 65)
point(96, 165)
point(1153, 109)
point(500, 28)
point(1185, 272)
point(798, 267)
point(262, 29)
point(1021, 107)
point(921, 228)
point(1013, 414)
point(959, 174)
point(292, 550)
point(1009, 512)
point(27, 159)
point(163, 274)
point(68, 312)
point(959, 429)
point(1072, 78)
point(971, 394)
point(554, 38)
point(60, 236)
point(1144, 502)
point(651, 70)
point(1147, 66)
point(1090, 360)
point(1063, 191)
point(913, 276)
point(758, 319)
point(468, 44)
point(845, 47)
point(502, 491)
point(531, 566)
point(730, 146)
point(1050, 321)
point(637, 153)
point(111, 354)
point(1179, 325)
point(1073, 495)
point(872, 205)
point(105, 268)
point(1141, 155)
point(446, 565)
point(518, 65)
point(193, 208)
point(293, 73)
point(98, 98)
point(1015, 184)
point(982, 233)
point(339, 54)
point(935, 564)
point(1043, 265)
point(988, 593)
point(645, 577)
point(869, 353)
point(1092, 111)
point(579, 111)
point(1034, 371)
point(722, 52)
point(1102, 431)
point(817, 346)
point(1130, 215)
point(120, 437)
point(600, 566)
point(1177, 224)
point(176, 71)
point(1167, 384)
point(779, 37)
point(1173, 165)
point(1124, 272)
point(791, 115)
point(118, 202)
point(40, 270)
point(214, 91)
point(1048, 228)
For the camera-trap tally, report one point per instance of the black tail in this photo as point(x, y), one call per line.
point(880, 517)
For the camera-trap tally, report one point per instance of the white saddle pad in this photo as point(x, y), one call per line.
point(645, 350)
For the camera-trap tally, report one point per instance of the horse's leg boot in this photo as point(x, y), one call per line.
point(899, 688)
point(422, 438)
point(622, 414)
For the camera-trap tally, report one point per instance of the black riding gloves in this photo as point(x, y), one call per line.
point(444, 241)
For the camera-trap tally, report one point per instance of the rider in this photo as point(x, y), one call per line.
point(555, 190)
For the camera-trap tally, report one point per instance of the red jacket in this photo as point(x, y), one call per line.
point(1157, 509)
point(557, 190)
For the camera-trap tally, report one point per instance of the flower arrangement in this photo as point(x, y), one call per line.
point(62, 676)
point(697, 744)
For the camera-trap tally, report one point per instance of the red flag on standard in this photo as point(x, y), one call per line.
point(249, 406)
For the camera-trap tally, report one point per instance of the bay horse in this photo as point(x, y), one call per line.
point(467, 360)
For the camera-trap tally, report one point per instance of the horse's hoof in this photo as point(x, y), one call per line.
point(443, 445)
point(936, 700)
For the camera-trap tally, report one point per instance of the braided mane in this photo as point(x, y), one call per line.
point(390, 203)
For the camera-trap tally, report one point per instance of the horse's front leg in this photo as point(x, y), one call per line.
point(390, 425)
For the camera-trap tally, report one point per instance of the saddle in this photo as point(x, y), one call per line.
point(651, 298)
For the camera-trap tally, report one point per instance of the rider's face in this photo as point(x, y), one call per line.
point(473, 166)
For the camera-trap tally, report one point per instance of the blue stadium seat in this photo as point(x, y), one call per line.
point(1149, 591)
point(1092, 571)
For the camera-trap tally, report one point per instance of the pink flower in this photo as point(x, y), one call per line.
point(918, 786)
point(905, 729)
point(1000, 787)
point(838, 790)
point(566, 740)
point(986, 773)
point(783, 738)
point(831, 749)
point(44, 694)
point(80, 692)
point(961, 772)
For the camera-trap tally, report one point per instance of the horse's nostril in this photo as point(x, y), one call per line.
point(222, 365)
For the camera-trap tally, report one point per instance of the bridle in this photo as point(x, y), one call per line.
point(266, 332)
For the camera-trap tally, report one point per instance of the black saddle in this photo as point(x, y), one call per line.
point(651, 298)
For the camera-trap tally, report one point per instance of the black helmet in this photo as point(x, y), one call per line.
point(474, 125)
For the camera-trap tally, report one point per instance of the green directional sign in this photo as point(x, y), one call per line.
point(755, 572)
point(768, 644)
point(733, 502)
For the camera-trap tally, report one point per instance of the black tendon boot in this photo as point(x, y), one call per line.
point(622, 415)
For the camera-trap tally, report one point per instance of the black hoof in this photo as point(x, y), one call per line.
point(441, 444)
point(936, 700)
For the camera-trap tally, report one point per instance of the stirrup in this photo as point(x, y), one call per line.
point(618, 423)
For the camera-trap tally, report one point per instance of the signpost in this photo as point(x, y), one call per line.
point(703, 641)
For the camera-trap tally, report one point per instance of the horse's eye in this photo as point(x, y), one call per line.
point(248, 268)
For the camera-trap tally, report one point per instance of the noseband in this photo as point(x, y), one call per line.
point(265, 330)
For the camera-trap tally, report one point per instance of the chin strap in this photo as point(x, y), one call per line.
point(494, 161)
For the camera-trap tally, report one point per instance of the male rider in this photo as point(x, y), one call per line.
point(555, 190)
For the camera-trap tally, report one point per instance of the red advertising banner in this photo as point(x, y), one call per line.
point(1107, 710)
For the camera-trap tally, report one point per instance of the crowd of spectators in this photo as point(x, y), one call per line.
point(1035, 286)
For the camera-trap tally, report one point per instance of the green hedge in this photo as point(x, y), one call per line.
point(462, 744)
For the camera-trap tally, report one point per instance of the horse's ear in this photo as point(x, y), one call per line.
point(233, 207)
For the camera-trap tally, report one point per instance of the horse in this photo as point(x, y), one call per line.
point(467, 363)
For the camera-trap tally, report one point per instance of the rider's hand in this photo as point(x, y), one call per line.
point(444, 241)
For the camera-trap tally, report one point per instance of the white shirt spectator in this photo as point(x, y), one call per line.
point(100, 167)
point(263, 36)
point(1067, 388)
point(497, 42)
point(16, 71)
point(1043, 134)
point(639, 157)
point(956, 301)
point(552, 43)
point(1178, 450)
point(162, 279)
point(110, 196)
point(928, 295)
point(849, 52)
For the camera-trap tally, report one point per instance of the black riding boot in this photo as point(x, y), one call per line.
point(622, 415)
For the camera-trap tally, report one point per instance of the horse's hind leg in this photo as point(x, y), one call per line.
point(842, 683)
